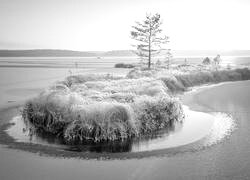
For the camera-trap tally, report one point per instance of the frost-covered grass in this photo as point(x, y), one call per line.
point(97, 108)
point(79, 79)
point(199, 78)
point(103, 108)
point(158, 113)
point(181, 77)
point(101, 121)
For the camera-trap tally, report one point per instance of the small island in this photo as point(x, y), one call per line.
point(96, 108)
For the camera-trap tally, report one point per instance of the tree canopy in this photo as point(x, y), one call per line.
point(149, 38)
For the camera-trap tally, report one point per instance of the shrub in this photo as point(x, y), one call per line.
point(206, 61)
point(123, 65)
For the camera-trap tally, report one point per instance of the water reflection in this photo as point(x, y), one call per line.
point(111, 147)
point(223, 126)
point(196, 126)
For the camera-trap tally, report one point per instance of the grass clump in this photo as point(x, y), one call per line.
point(82, 78)
point(245, 73)
point(101, 122)
point(137, 73)
point(194, 79)
point(199, 78)
point(173, 84)
point(127, 88)
point(51, 110)
point(178, 80)
point(94, 110)
point(155, 114)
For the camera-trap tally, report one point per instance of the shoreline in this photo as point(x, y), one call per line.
point(194, 104)
point(7, 140)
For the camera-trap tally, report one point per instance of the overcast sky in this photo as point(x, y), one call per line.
point(106, 24)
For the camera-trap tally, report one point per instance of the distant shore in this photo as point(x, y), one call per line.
point(117, 53)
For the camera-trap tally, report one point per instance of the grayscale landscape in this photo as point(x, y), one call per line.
point(124, 89)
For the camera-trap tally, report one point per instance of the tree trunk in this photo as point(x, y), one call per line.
point(149, 49)
point(149, 58)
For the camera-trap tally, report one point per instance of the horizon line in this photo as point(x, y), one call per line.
point(55, 49)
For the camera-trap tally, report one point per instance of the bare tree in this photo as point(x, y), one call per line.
point(148, 37)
